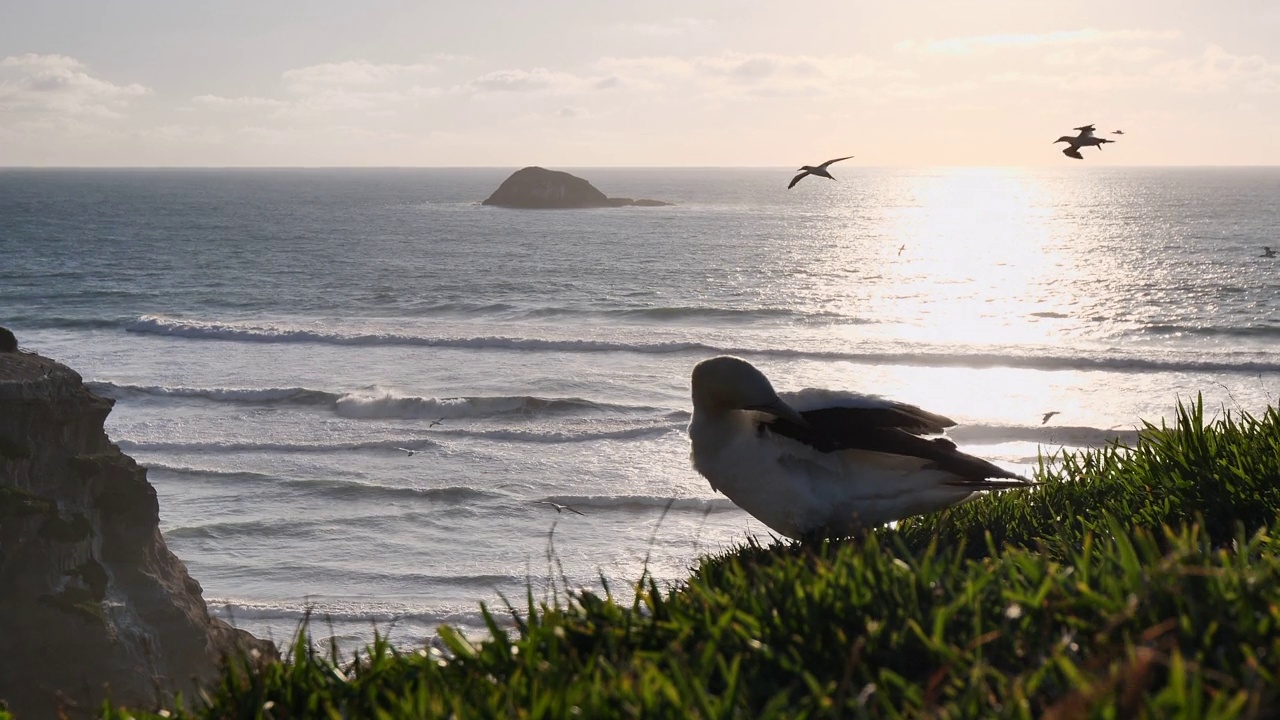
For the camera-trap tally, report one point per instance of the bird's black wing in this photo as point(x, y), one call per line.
point(1086, 129)
point(797, 179)
point(846, 157)
point(1073, 153)
point(892, 428)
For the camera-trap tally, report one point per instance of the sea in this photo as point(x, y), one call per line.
point(278, 340)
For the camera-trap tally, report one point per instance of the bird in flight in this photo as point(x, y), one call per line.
point(1048, 415)
point(1267, 251)
point(900, 249)
point(1086, 138)
point(407, 451)
point(820, 171)
point(436, 422)
point(559, 508)
point(1117, 132)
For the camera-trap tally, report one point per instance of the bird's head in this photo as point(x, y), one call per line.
point(1064, 138)
point(727, 383)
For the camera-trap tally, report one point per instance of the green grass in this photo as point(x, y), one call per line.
point(1135, 583)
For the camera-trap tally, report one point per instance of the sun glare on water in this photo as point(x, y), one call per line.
point(987, 266)
point(981, 256)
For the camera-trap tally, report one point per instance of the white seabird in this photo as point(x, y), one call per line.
point(820, 171)
point(559, 508)
point(1086, 138)
point(823, 464)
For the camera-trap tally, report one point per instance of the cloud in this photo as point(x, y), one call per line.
point(243, 101)
point(1104, 55)
point(1216, 70)
point(678, 27)
point(976, 44)
point(748, 74)
point(525, 81)
point(354, 73)
point(316, 92)
point(61, 86)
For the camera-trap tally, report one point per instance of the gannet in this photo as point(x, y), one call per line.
point(820, 463)
point(820, 171)
point(1086, 138)
point(558, 507)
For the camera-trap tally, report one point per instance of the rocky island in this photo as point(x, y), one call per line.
point(92, 603)
point(537, 188)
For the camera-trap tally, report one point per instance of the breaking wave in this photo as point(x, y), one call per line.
point(1074, 435)
point(1051, 362)
point(376, 405)
point(230, 447)
point(643, 502)
point(335, 488)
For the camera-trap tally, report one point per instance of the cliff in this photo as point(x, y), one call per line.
point(538, 188)
point(92, 603)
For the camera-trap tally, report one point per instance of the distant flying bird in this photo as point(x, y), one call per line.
point(559, 508)
point(822, 463)
point(1117, 132)
point(407, 451)
point(436, 422)
point(820, 171)
point(1267, 251)
point(900, 249)
point(1048, 415)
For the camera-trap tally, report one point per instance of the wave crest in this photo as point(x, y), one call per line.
point(643, 502)
point(370, 405)
point(389, 405)
point(1100, 363)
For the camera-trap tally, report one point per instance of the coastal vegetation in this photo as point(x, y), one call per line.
point(1137, 581)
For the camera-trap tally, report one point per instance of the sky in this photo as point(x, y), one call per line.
point(579, 83)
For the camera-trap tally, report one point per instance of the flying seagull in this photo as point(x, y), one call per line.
point(436, 422)
point(1267, 251)
point(1048, 415)
point(1086, 138)
point(900, 249)
point(820, 171)
point(820, 463)
point(407, 451)
point(559, 508)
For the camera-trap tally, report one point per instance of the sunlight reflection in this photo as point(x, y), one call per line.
point(979, 250)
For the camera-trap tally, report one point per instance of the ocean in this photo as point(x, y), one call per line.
point(274, 337)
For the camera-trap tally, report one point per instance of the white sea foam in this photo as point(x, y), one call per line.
point(1115, 362)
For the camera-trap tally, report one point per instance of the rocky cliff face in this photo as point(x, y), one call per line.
point(539, 188)
point(91, 601)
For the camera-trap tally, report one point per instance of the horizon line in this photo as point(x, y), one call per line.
point(595, 167)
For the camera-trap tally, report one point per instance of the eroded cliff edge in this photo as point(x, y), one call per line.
point(91, 600)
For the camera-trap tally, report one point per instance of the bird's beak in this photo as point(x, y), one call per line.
point(782, 410)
